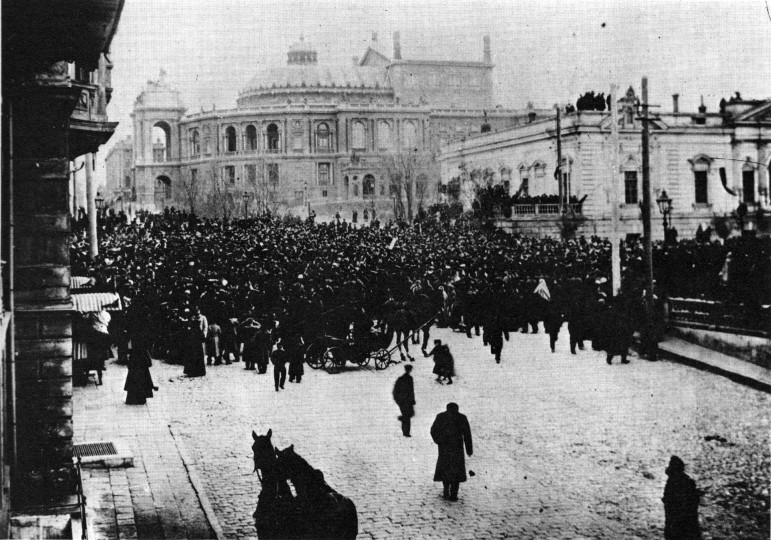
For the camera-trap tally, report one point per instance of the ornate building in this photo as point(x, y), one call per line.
point(304, 135)
point(707, 162)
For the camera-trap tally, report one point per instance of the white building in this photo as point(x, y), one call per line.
point(690, 153)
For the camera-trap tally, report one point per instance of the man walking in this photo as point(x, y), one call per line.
point(451, 432)
point(279, 359)
point(404, 396)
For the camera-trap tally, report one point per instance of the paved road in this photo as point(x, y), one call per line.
point(565, 446)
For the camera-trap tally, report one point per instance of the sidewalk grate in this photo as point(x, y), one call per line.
point(94, 449)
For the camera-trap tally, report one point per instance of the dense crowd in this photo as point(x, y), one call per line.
point(311, 279)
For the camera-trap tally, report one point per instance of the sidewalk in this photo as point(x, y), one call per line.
point(673, 348)
point(157, 497)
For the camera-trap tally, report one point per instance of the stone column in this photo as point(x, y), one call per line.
point(43, 316)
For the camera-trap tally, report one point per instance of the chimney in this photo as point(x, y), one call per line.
point(488, 59)
point(675, 103)
point(374, 37)
point(397, 47)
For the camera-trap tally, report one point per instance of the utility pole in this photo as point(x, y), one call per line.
point(559, 159)
point(93, 245)
point(615, 255)
point(648, 341)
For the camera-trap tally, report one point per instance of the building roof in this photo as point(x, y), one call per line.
point(159, 94)
point(315, 75)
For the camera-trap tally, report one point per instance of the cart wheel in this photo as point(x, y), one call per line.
point(382, 358)
point(314, 355)
point(330, 360)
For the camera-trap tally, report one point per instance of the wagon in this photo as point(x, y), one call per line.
point(332, 352)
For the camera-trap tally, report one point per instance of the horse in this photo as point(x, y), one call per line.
point(327, 513)
point(317, 511)
point(276, 514)
point(401, 320)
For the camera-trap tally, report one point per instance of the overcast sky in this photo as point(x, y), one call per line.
point(544, 51)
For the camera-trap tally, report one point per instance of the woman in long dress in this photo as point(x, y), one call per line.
point(192, 350)
point(139, 383)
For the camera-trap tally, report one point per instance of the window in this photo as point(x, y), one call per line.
point(630, 187)
point(368, 186)
point(127, 182)
point(322, 138)
point(251, 138)
point(384, 136)
point(382, 190)
point(700, 179)
point(298, 196)
point(207, 146)
point(164, 187)
point(324, 174)
point(195, 143)
point(748, 185)
point(193, 178)
point(230, 139)
point(324, 193)
point(358, 139)
point(273, 174)
point(230, 174)
point(273, 138)
point(410, 136)
point(524, 181)
point(540, 170)
point(251, 174)
point(356, 190)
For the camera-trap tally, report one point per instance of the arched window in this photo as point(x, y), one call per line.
point(230, 139)
point(748, 182)
point(700, 166)
point(322, 137)
point(410, 136)
point(163, 187)
point(524, 181)
point(195, 143)
point(384, 139)
point(273, 138)
point(358, 138)
point(251, 138)
point(161, 137)
point(368, 186)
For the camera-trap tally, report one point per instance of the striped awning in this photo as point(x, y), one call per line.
point(96, 302)
point(80, 282)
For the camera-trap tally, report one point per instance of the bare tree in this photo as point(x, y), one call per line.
point(191, 191)
point(409, 177)
point(221, 202)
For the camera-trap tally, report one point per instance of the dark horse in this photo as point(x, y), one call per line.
point(317, 511)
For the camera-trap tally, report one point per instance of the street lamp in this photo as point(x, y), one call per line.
point(246, 197)
point(665, 207)
point(99, 201)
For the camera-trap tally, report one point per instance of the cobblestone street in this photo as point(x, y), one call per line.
point(565, 446)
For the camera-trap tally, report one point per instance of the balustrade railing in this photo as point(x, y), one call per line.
point(542, 209)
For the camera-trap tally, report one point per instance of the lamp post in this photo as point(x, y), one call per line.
point(665, 207)
point(99, 201)
point(246, 197)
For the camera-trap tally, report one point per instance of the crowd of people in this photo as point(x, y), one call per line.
point(260, 281)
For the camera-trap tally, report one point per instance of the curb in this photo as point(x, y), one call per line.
point(192, 474)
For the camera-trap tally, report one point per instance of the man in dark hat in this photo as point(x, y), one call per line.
point(404, 396)
point(279, 359)
point(681, 504)
point(451, 432)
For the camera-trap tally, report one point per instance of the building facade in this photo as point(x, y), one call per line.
point(690, 155)
point(56, 86)
point(306, 134)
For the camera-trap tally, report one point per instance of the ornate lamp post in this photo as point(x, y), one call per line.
point(246, 198)
point(99, 201)
point(665, 207)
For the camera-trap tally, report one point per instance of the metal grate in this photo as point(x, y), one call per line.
point(94, 449)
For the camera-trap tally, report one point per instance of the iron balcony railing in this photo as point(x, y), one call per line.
point(542, 209)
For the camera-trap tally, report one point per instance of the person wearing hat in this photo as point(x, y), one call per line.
point(279, 359)
point(404, 396)
point(250, 348)
point(681, 503)
point(451, 433)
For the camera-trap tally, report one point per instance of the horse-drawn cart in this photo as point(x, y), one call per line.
point(358, 347)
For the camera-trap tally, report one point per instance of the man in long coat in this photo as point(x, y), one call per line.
point(404, 396)
point(681, 504)
point(451, 432)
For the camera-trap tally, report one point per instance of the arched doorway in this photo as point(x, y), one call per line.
point(273, 138)
point(163, 191)
point(161, 141)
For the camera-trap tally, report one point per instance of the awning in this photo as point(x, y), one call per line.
point(96, 302)
point(80, 282)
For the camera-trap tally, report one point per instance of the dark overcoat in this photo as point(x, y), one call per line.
point(681, 508)
point(451, 432)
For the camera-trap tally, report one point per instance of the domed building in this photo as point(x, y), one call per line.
point(307, 135)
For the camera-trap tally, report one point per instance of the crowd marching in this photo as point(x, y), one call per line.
point(253, 283)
